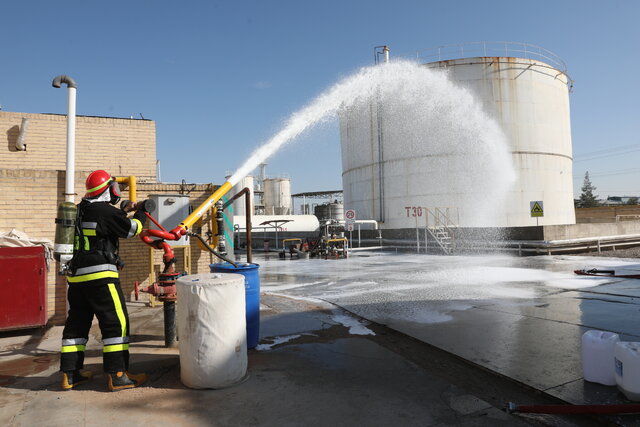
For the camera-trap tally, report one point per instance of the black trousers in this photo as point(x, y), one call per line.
point(107, 303)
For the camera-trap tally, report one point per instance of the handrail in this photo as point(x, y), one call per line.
point(442, 221)
point(488, 48)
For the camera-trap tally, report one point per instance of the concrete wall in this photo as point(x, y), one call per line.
point(579, 231)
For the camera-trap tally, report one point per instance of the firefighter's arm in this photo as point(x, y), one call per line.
point(126, 227)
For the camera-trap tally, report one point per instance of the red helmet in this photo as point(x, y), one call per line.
point(97, 182)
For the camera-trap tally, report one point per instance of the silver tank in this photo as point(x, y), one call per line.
point(277, 196)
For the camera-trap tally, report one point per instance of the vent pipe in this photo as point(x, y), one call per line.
point(20, 145)
point(381, 51)
point(70, 175)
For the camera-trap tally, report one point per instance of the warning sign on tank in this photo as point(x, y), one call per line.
point(537, 209)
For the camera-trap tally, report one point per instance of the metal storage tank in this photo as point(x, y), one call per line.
point(331, 210)
point(320, 211)
point(525, 89)
point(239, 204)
point(277, 196)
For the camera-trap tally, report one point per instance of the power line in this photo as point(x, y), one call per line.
point(611, 173)
point(609, 152)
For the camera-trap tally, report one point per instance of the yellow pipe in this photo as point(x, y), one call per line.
point(205, 206)
point(133, 188)
point(131, 181)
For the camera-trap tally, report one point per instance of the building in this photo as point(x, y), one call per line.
point(32, 185)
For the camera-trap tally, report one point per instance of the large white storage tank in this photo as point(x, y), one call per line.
point(277, 196)
point(529, 99)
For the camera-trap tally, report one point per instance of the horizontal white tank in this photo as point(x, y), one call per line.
point(306, 223)
point(528, 99)
point(277, 196)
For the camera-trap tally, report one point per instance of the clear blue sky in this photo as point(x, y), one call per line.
point(219, 78)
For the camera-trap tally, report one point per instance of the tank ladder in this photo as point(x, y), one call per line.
point(440, 224)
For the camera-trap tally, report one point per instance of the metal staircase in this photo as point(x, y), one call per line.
point(440, 226)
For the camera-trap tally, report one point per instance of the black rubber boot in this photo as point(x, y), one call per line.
point(72, 379)
point(123, 380)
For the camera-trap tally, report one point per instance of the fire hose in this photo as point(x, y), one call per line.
point(628, 408)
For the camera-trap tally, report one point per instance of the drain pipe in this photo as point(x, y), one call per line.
point(20, 145)
point(70, 175)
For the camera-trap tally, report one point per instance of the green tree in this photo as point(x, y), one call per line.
point(587, 198)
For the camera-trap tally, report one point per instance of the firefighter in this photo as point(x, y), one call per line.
point(94, 288)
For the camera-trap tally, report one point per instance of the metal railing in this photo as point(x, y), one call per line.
point(487, 49)
point(439, 224)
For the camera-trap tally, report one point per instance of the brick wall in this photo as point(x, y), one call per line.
point(607, 214)
point(120, 146)
point(32, 181)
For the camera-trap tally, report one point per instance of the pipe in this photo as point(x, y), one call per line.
point(20, 145)
point(248, 212)
point(385, 52)
point(219, 213)
point(131, 182)
point(246, 191)
point(210, 249)
point(70, 174)
point(181, 229)
point(629, 408)
point(169, 308)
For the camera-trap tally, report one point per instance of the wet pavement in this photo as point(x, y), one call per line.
point(519, 317)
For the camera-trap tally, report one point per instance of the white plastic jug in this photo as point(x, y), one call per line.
point(597, 356)
point(627, 368)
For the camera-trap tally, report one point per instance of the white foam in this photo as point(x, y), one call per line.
point(354, 325)
point(276, 341)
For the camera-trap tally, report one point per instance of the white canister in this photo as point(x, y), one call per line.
point(211, 329)
point(597, 356)
point(627, 368)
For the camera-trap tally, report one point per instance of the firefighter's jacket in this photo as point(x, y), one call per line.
point(99, 226)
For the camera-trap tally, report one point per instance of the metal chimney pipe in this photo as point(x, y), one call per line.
point(385, 52)
point(70, 176)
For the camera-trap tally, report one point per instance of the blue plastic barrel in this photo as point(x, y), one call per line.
point(252, 296)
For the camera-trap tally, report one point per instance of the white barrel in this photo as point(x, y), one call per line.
point(597, 356)
point(212, 329)
point(627, 368)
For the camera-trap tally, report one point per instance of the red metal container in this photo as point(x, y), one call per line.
point(23, 288)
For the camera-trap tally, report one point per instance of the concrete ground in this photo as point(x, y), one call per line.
point(428, 360)
point(316, 372)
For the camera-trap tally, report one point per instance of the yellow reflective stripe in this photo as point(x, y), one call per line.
point(115, 347)
point(104, 184)
point(139, 226)
point(93, 276)
point(119, 311)
point(72, 348)
point(89, 231)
